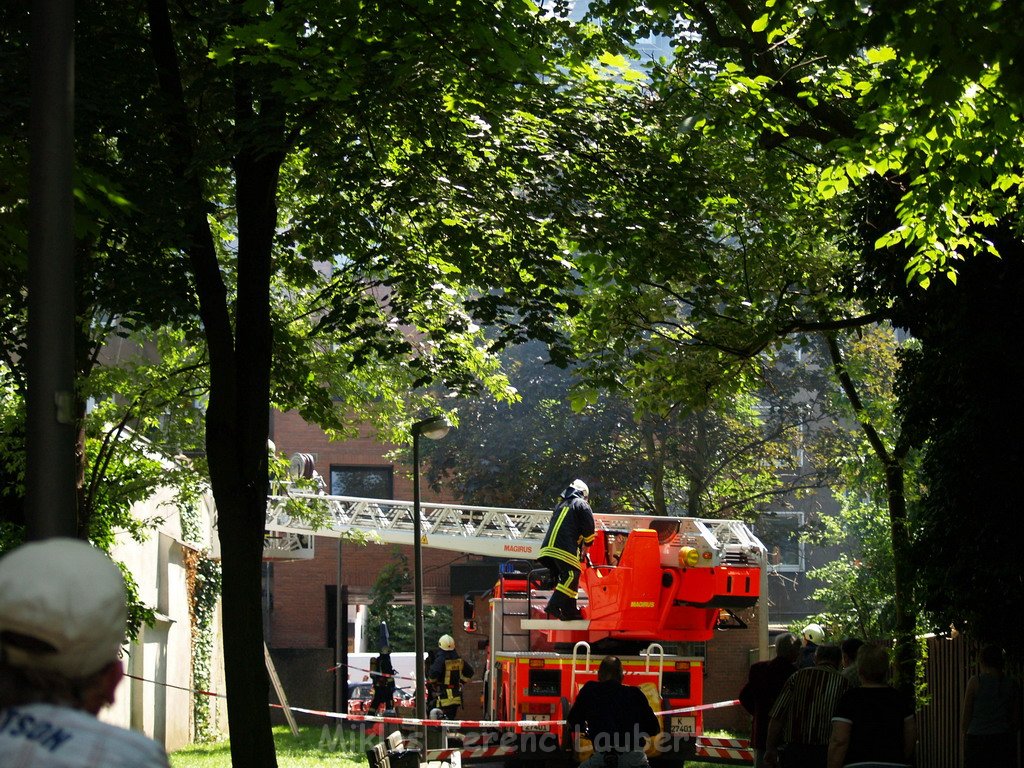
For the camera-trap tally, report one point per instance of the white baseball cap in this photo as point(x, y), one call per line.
point(70, 598)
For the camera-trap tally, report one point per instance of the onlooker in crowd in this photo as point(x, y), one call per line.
point(764, 682)
point(849, 647)
point(569, 533)
point(874, 723)
point(382, 673)
point(448, 672)
point(63, 617)
point(615, 717)
point(801, 719)
point(991, 715)
point(812, 636)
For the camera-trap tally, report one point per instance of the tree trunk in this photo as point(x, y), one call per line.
point(903, 578)
point(237, 418)
point(896, 500)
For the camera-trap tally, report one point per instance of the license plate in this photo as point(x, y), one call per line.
point(683, 725)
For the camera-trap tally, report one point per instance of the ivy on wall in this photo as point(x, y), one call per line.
point(203, 581)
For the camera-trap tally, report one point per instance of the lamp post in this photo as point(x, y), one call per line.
point(433, 429)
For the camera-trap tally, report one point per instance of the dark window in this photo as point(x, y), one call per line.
point(365, 482)
point(545, 682)
point(780, 534)
point(675, 685)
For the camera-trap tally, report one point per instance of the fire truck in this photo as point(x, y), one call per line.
point(652, 590)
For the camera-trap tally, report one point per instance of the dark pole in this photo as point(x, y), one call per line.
point(50, 446)
point(344, 645)
point(340, 651)
point(417, 558)
point(434, 428)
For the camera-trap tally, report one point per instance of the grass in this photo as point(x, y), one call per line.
point(314, 747)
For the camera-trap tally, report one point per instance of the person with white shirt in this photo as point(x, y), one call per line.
point(63, 616)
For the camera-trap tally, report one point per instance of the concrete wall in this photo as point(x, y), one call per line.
point(162, 654)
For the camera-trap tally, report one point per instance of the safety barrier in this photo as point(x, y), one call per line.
point(736, 751)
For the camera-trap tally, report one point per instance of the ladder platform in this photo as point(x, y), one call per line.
point(554, 624)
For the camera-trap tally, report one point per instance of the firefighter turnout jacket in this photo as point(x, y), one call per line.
point(448, 672)
point(572, 526)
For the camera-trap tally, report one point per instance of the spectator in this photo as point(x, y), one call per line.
point(801, 719)
point(991, 715)
point(874, 723)
point(615, 717)
point(812, 636)
point(448, 672)
point(63, 617)
point(849, 647)
point(764, 682)
point(569, 533)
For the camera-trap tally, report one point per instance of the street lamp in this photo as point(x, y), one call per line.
point(433, 428)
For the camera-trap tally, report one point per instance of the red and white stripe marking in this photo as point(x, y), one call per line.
point(469, 754)
point(710, 746)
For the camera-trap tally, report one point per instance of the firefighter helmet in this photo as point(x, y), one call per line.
point(814, 633)
point(580, 486)
point(446, 643)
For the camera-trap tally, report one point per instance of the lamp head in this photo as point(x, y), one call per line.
point(433, 428)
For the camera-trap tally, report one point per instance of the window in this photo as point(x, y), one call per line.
point(780, 534)
point(366, 482)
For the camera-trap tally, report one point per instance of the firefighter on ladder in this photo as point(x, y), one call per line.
point(448, 672)
point(570, 533)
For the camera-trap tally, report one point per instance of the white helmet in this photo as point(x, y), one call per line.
point(446, 643)
point(580, 486)
point(814, 633)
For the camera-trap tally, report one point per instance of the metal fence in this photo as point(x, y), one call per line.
point(950, 666)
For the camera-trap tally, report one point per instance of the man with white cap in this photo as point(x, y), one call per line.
point(569, 534)
point(63, 618)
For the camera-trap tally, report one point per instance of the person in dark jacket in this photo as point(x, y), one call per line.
point(382, 679)
point(448, 672)
point(616, 718)
point(571, 531)
point(764, 683)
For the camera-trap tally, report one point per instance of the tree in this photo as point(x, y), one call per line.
point(719, 461)
point(867, 108)
point(373, 141)
point(862, 589)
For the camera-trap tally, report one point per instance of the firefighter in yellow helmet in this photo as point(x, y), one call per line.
point(447, 674)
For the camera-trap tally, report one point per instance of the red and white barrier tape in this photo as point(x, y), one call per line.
point(429, 722)
point(698, 708)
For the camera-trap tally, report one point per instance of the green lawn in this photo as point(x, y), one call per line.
point(314, 747)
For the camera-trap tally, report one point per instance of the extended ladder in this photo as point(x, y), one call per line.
point(495, 531)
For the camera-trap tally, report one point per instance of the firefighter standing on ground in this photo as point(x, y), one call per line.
point(570, 533)
point(382, 675)
point(448, 672)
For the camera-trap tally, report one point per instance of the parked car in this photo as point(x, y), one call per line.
point(361, 694)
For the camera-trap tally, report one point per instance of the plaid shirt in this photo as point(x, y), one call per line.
point(806, 704)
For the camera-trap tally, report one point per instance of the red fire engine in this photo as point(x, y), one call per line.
point(651, 588)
